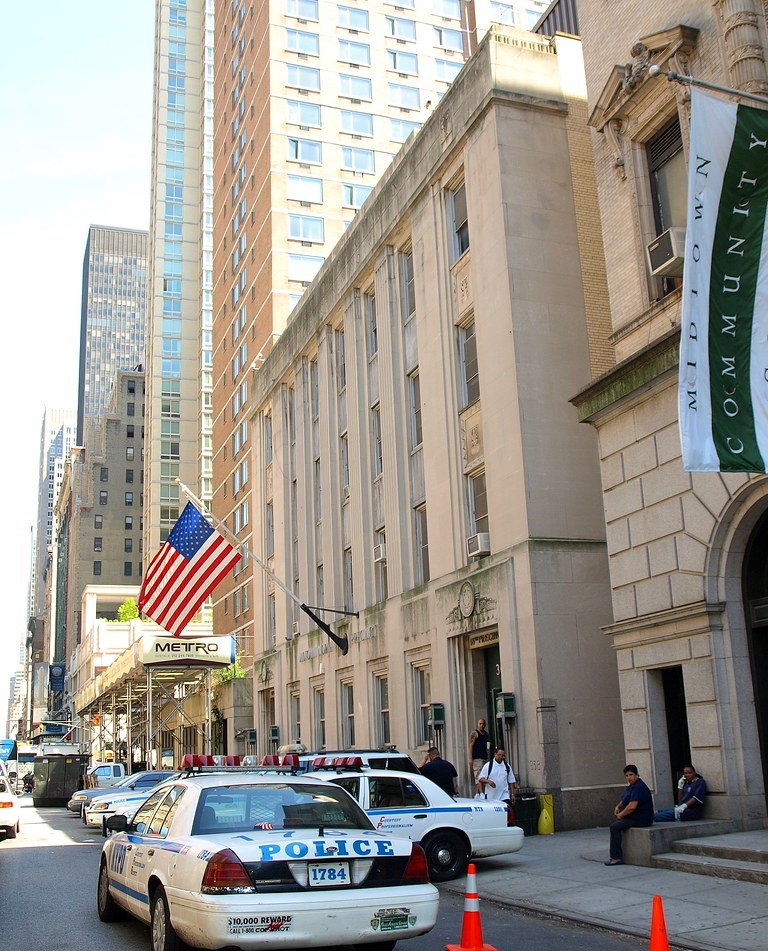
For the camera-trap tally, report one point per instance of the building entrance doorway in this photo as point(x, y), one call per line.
point(755, 588)
point(491, 668)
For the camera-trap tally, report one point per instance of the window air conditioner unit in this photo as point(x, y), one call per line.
point(665, 253)
point(295, 628)
point(479, 545)
point(379, 553)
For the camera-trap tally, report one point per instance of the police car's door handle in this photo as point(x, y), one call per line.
point(420, 815)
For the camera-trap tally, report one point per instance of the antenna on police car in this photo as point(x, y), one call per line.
point(341, 641)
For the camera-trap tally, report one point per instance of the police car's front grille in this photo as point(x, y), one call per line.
point(385, 872)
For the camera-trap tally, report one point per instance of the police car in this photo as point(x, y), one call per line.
point(451, 830)
point(98, 809)
point(235, 859)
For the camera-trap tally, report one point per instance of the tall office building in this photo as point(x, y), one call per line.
point(112, 314)
point(313, 100)
point(178, 357)
point(57, 436)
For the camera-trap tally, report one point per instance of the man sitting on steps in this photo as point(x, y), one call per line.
point(691, 791)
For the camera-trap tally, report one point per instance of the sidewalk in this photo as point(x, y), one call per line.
point(563, 875)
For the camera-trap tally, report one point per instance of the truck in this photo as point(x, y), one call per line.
point(103, 774)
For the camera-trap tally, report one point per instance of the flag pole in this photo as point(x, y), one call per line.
point(674, 77)
point(342, 642)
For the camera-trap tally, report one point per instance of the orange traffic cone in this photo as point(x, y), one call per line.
point(659, 940)
point(471, 929)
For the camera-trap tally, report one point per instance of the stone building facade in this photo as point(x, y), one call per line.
point(416, 460)
point(686, 549)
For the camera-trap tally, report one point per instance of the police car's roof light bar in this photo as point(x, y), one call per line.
point(338, 763)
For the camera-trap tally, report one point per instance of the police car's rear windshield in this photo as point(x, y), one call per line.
point(279, 806)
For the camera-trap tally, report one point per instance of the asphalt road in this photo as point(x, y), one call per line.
point(48, 900)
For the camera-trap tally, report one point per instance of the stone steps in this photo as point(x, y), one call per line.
point(737, 857)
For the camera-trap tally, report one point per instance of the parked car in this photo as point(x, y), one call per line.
point(98, 809)
point(81, 796)
point(221, 859)
point(145, 779)
point(10, 807)
point(451, 830)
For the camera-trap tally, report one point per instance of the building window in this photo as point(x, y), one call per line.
point(381, 710)
point(450, 9)
point(402, 62)
point(98, 521)
point(421, 699)
point(318, 717)
point(97, 543)
point(128, 523)
point(377, 456)
point(357, 53)
point(127, 569)
point(457, 198)
point(304, 150)
point(449, 39)
point(422, 546)
point(299, 41)
point(356, 123)
point(357, 160)
point(302, 9)
point(302, 77)
point(404, 97)
point(370, 323)
point(303, 267)
point(104, 474)
point(304, 188)
point(131, 386)
point(129, 476)
point(306, 228)
point(129, 498)
point(353, 196)
point(354, 87)
point(127, 544)
point(669, 185)
point(97, 568)
point(400, 29)
point(303, 113)
point(349, 590)
point(352, 19)
point(478, 503)
point(400, 129)
point(130, 431)
point(130, 409)
point(347, 715)
point(103, 497)
point(446, 70)
point(414, 400)
point(469, 368)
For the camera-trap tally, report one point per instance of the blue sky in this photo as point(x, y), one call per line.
point(75, 114)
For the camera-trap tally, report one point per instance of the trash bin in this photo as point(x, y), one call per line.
point(527, 814)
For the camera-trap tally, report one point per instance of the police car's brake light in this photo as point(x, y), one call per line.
point(416, 871)
point(225, 875)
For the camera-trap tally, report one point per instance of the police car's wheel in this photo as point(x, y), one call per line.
point(447, 855)
point(164, 938)
point(10, 831)
point(108, 909)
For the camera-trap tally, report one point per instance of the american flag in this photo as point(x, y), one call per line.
point(184, 571)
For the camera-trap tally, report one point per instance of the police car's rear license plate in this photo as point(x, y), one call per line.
point(328, 873)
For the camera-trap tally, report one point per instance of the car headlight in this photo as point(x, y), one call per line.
point(100, 807)
point(78, 797)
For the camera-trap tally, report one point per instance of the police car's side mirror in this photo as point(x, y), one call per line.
point(116, 824)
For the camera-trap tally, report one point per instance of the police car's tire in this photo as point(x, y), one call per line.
point(10, 831)
point(447, 855)
point(108, 908)
point(162, 935)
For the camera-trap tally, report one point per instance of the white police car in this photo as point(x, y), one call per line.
point(100, 808)
point(450, 830)
point(235, 859)
point(10, 807)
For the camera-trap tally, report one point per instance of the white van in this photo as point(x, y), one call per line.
point(103, 774)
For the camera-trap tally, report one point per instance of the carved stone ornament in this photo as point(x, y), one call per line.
point(630, 91)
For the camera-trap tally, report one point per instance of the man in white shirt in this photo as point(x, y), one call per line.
point(496, 779)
